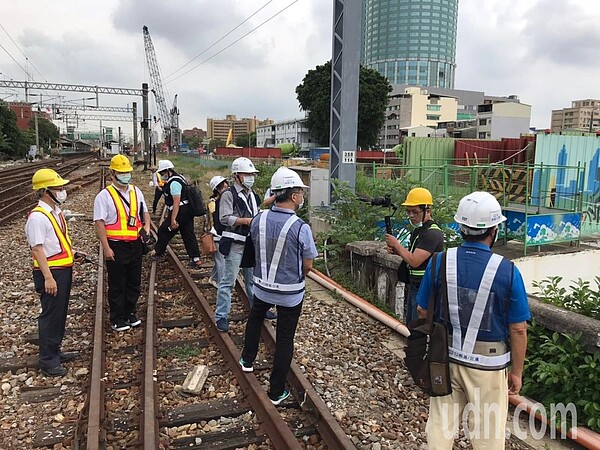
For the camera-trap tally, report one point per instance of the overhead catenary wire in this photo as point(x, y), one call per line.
point(233, 43)
point(220, 39)
point(22, 53)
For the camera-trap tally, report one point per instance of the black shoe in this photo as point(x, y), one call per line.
point(67, 356)
point(133, 321)
point(120, 325)
point(56, 371)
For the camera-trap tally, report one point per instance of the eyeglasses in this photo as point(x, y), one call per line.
point(413, 212)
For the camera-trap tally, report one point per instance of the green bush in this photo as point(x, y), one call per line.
point(581, 299)
point(558, 369)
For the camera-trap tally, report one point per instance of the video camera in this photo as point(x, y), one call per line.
point(386, 202)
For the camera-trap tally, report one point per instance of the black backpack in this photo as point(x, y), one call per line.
point(192, 194)
point(195, 202)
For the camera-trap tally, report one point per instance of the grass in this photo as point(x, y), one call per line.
point(182, 352)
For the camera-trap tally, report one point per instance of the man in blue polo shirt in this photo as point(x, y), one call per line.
point(284, 252)
point(487, 324)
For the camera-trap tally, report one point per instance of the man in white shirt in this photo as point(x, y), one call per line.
point(53, 255)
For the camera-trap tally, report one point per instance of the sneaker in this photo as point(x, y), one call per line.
point(246, 367)
point(56, 371)
point(281, 398)
point(196, 263)
point(270, 315)
point(133, 321)
point(120, 325)
point(67, 356)
point(213, 283)
point(223, 325)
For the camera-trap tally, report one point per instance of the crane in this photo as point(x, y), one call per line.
point(169, 119)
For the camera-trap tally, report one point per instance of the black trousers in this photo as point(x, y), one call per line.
point(157, 195)
point(186, 228)
point(287, 321)
point(53, 319)
point(124, 278)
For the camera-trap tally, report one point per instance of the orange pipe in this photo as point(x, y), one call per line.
point(583, 436)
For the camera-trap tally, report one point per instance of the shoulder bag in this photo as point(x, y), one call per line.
point(427, 346)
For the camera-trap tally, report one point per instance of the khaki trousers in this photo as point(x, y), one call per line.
point(479, 401)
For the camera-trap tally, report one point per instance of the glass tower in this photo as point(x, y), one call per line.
point(411, 41)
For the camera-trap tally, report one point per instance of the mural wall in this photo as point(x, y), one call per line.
point(559, 150)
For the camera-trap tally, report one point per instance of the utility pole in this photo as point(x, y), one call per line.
point(145, 126)
point(37, 135)
point(135, 139)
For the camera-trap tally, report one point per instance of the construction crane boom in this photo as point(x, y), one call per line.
point(168, 125)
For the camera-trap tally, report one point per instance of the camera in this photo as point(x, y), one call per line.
point(381, 201)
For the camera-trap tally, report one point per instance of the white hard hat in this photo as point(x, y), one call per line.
point(284, 178)
point(215, 181)
point(164, 164)
point(477, 212)
point(243, 165)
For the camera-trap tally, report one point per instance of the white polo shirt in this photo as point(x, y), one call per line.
point(104, 207)
point(39, 230)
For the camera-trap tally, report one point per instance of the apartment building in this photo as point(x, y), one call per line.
point(583, 115)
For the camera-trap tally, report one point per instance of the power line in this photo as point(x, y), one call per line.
point(24, 55)
point(233, 43)
point(220, 39)
point(16, 62)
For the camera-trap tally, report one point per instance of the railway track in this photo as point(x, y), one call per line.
point(137, 395)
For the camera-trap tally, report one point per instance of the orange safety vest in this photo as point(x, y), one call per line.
point(65, 257)
point(120, 230)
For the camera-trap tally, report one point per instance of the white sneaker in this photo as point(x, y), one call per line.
point(213, 283)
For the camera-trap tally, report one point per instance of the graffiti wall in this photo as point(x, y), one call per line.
point(564, 186)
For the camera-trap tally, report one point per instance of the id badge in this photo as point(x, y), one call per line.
point(131, 221)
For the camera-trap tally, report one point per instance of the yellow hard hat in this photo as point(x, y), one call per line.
point(120, 163)
point(45, 178)
point(418, 196)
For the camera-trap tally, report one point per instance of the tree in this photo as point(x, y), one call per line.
point(48, 133)
point(193, 142)
point(214, 143)
point(314, 96)
point(12, 139)
point(246, 140)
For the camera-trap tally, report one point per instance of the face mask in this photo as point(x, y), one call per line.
point(61, 196)
point(300, 205)
point(417, 225)
point(123, 179)
point(495, 238)
point(248, 181)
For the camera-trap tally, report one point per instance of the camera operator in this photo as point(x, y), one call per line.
point(426, 239)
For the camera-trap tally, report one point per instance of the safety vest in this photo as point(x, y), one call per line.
point(120, 230)
point(65, 257)
point(269, 278)
point(159, 180)
point(241, 208)
point(461, 350)
point(420, 271)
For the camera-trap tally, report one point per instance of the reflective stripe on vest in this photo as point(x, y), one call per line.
point(120, 230)
point(420, 272)
point(463, 354)
point(65, 257)
point(268, 281)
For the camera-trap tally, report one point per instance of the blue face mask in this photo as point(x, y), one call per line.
point(123, 179)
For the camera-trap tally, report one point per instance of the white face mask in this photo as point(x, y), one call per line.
point(300, 205)
point(417, 225)
point(248, 181)
point(61, 196)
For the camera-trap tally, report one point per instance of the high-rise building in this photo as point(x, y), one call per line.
point(583, 115)
point(411, 41)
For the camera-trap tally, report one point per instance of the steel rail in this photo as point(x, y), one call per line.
point(149, 424)
point(329, 429)
point(272, 424)
point(95, 436)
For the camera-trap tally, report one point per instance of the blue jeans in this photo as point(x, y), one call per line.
point(411, 302)
point(227, 283)
point(287, 321)
point(218, 266)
